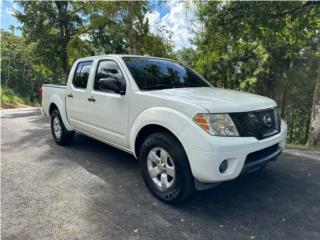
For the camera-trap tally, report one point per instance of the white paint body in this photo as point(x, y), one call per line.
point(117, 119)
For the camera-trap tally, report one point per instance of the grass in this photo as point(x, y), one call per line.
point(10, 99)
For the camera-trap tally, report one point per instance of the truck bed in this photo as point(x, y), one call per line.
point(55, 85)
point(50, 91)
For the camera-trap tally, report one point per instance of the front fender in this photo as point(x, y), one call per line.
point(165, 117)
point(55, 99)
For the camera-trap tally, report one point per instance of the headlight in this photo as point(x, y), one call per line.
point(216, 124)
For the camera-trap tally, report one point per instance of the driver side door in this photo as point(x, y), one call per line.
point(108, 110)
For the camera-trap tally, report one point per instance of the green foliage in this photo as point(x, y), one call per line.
point(264, 48)
point(78, 48)
point(8, 96)
point(187, 57)
point(51, 25)
point(261, 47)
point(155, 46)
point(63, 31)
point(120, 27)
point(21, 69)
point(55, 34)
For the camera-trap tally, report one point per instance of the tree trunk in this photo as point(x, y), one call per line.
point(283, 102)
point(225, 75)
point(132, 33)
point(314, 128)
point(64, 35)
point(291, 127)
point(9, 65)
point(307, 131)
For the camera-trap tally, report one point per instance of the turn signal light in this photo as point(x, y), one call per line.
point(201, 120)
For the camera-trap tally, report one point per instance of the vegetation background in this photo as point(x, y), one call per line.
point(268, 48)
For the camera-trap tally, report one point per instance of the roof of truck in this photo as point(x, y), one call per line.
point(116, 55)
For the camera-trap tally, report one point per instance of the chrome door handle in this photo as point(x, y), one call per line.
point(91, 99)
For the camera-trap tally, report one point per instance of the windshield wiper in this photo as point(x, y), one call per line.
point(167, 86)
point(157, 87)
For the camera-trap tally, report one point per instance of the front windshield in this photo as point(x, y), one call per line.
point(155, 73)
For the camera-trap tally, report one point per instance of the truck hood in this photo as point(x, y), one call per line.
point(217, 100)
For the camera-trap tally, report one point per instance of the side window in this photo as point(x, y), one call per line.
point(108, 69)
point(77, 74)
point(81, 75)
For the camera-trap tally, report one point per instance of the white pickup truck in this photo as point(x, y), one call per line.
point(186, 134)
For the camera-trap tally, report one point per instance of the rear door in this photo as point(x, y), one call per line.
point(108, 110)
point(77, 96)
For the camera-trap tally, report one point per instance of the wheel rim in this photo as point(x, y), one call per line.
point(161, 168)
point(57, 127)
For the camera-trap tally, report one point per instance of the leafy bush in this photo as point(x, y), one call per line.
point(9, 96)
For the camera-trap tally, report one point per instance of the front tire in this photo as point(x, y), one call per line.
point(59, 132)
point(165, 168)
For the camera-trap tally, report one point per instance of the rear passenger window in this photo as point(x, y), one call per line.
point(81, 75)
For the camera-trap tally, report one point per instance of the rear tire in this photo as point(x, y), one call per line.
point(165, 168)
point(59, 132)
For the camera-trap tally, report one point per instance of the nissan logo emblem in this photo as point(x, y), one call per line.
point(267, 120)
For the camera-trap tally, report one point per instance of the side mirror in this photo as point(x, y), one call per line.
point(111, 84)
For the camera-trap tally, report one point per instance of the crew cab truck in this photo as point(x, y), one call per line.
point(186, 134)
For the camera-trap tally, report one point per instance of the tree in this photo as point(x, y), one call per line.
point(264, 48)
point(187, 56)
point(314, 128)
point(314, 132)
point(133, 21)
point(56, 33)
point(121, 27)
point(259, 47)
point(21, 69)
point(51, 25)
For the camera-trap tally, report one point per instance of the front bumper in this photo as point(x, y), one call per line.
point(206, 158)
point(261, 158)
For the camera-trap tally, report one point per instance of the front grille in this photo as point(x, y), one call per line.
point(259, 124)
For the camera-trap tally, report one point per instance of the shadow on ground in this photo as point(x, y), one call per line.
point(279, 202)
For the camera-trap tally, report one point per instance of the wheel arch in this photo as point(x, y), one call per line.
point(146, 131)
point(52, 107)
point(56, 103)
point(156, 120)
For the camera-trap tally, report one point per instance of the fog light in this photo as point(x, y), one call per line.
point(223, 166)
